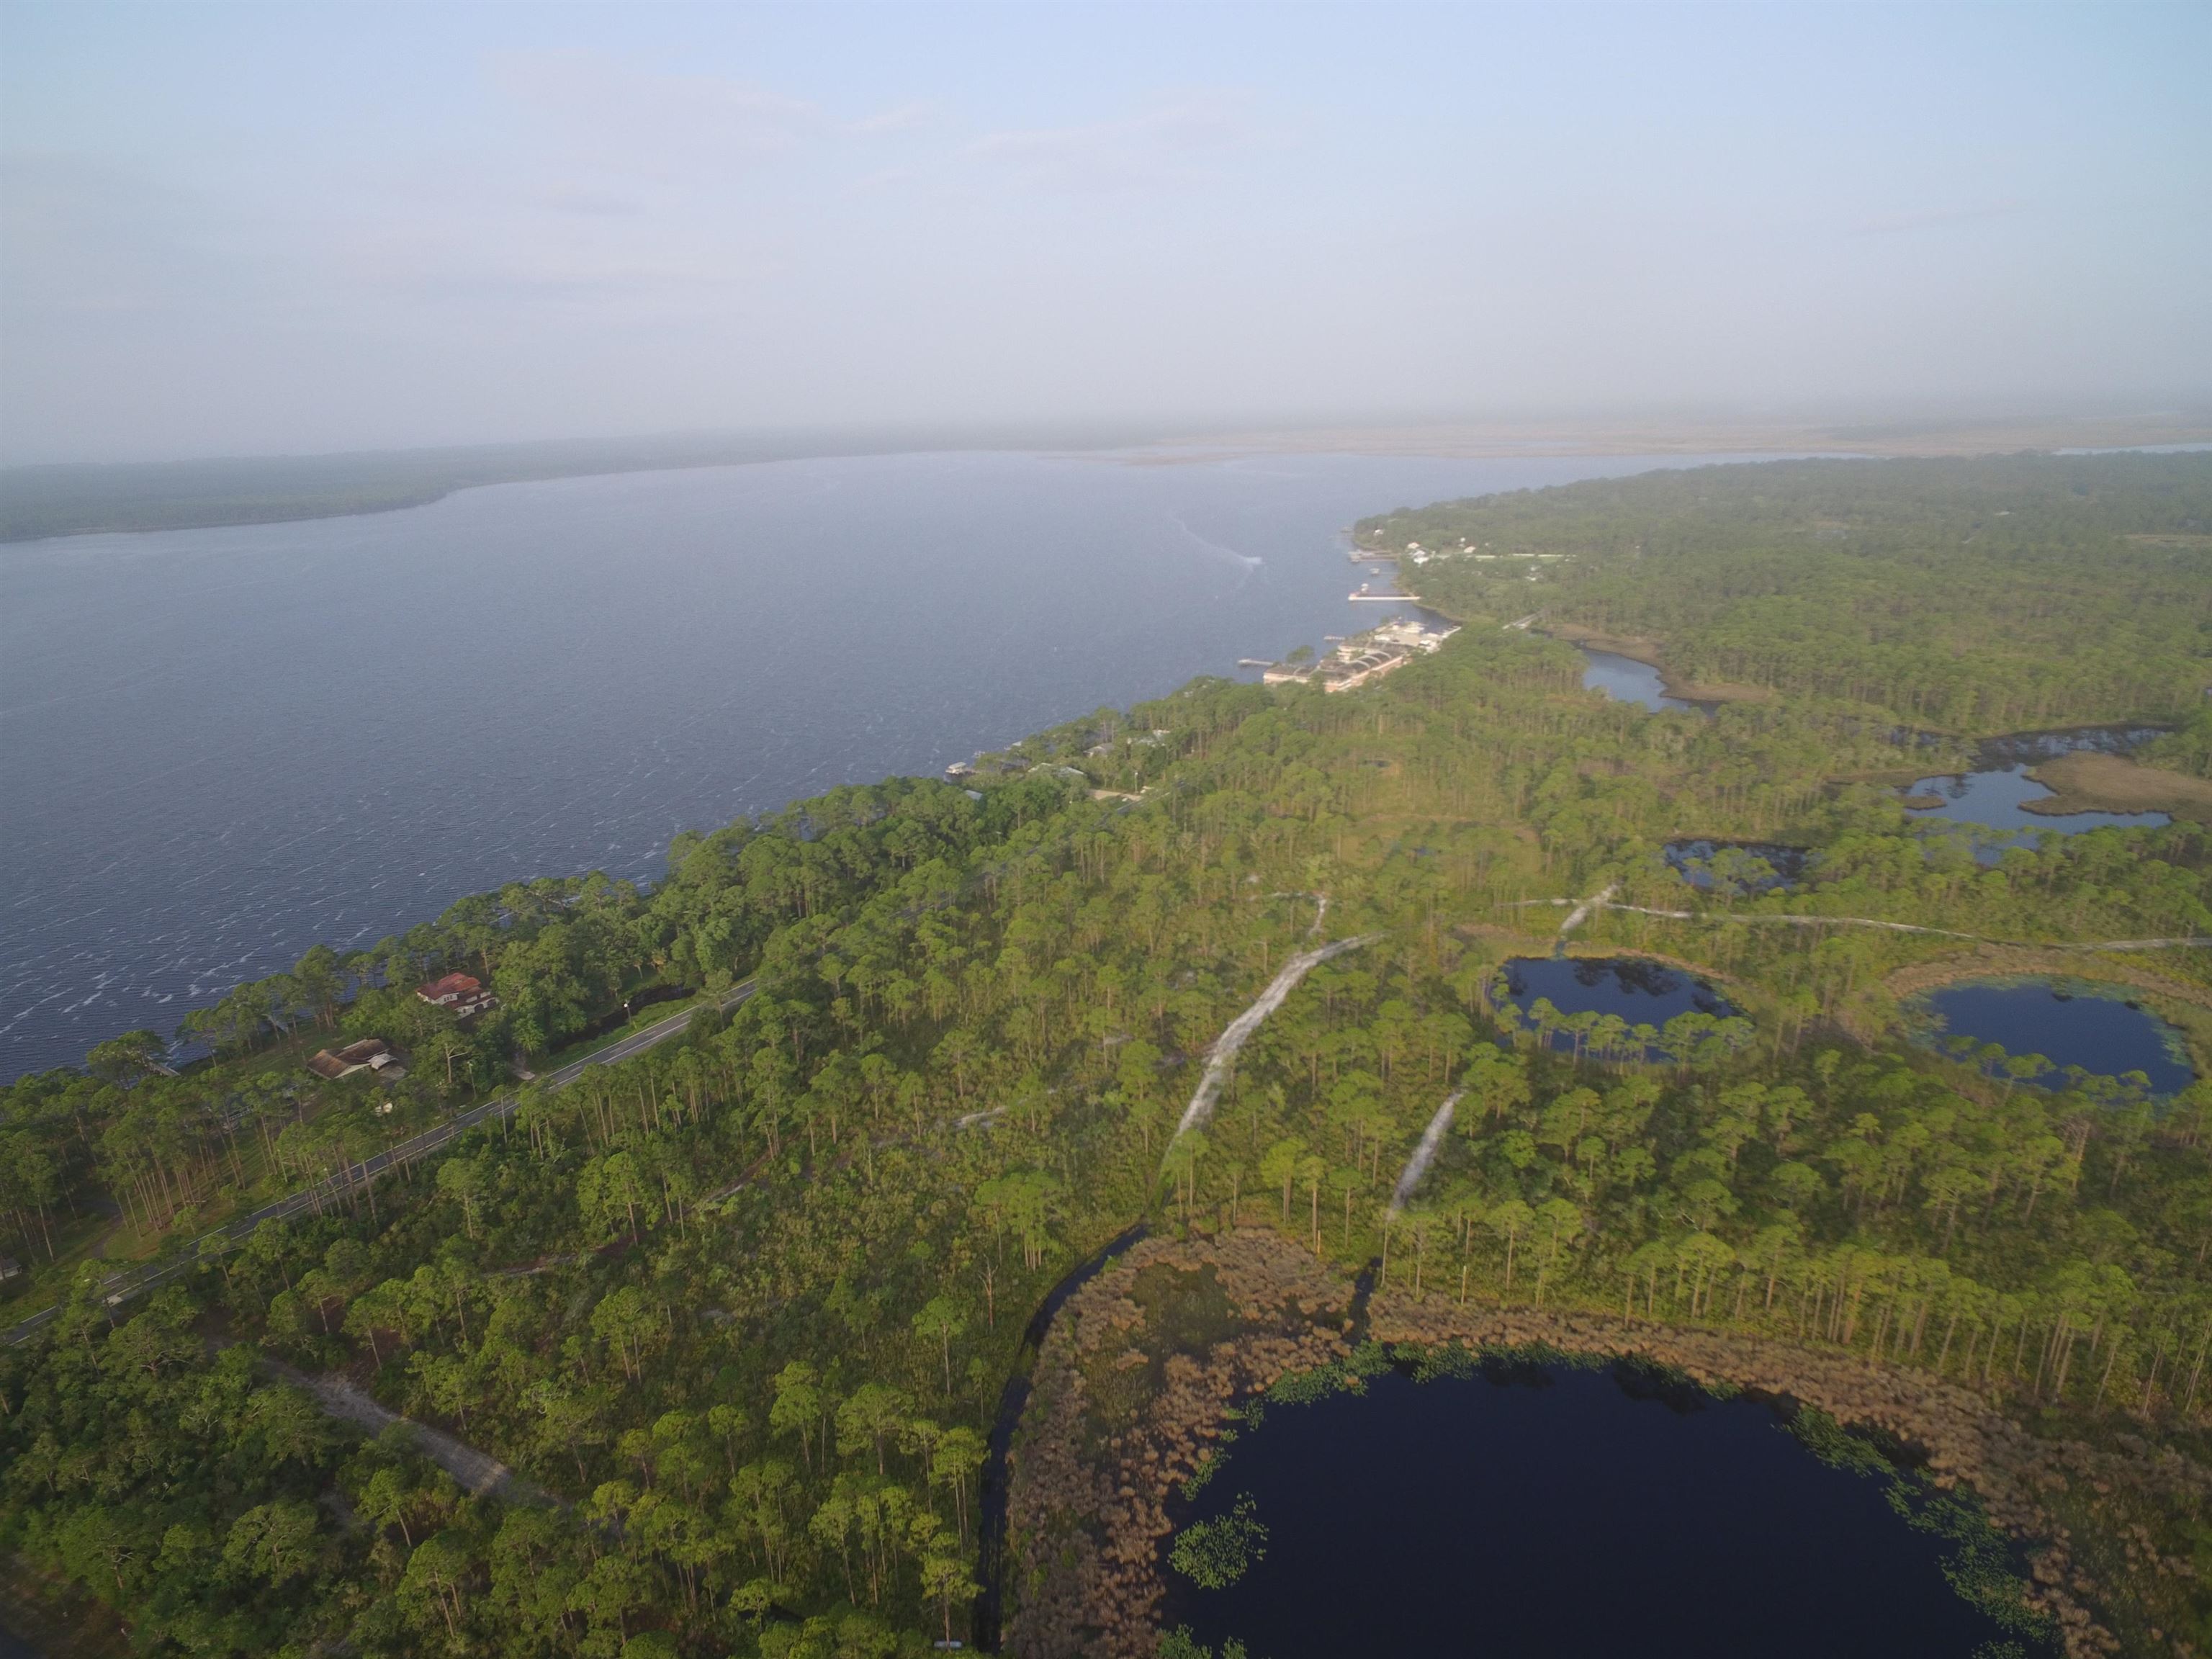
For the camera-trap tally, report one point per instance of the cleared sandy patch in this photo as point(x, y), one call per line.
point(2085, 782)
point(2011, 961)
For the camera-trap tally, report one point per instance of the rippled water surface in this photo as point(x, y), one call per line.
point(1575, 1514)
point(218, 747)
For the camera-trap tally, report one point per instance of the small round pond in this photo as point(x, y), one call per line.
point(1580, 1514)
point(1635, 990)
point(2070, 1022)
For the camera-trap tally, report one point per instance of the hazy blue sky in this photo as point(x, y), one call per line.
point(252, 228)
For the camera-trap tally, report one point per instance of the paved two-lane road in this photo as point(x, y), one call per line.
point(136, 1281)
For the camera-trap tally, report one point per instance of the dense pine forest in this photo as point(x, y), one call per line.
point(738, 1314)
point(1998, 595)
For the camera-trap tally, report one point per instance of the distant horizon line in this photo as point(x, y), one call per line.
point(1893, 428)
point(48, 501)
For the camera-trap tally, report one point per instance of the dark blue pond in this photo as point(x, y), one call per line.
point(2069, 1024)
point(1576, 1514)
point(1735, 867)
point(1641, 992)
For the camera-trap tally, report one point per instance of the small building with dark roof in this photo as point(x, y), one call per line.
point(369, 1054)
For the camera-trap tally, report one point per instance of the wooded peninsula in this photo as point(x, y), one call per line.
point(720, 1348)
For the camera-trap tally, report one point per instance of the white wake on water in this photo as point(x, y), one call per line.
point(1249, 562)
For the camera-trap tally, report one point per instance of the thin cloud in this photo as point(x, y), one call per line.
point(1174, 142)
point(900, 118)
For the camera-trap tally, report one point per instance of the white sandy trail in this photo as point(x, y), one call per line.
point(1240, 1028)
point(2185, 942)
point(1597, 901)
point(1424, 1154)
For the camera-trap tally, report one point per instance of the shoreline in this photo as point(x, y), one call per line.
point(2184, 1008)
point(1490, 440)
point(1647, 651)
point(52, 500)
point(1094, 1526)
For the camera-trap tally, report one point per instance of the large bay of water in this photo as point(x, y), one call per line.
point(218, 747)
point(1569, 1515)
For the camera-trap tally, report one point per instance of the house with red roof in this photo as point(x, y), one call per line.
point(464, 994)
